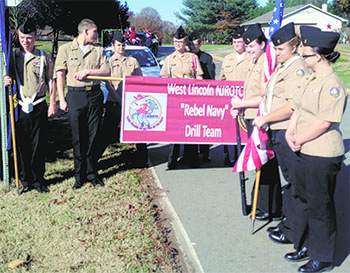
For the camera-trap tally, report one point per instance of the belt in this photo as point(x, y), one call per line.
point(84, 88)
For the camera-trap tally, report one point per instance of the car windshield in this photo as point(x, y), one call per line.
point(144, 57)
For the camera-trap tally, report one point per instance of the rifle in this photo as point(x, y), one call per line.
point(245, 208)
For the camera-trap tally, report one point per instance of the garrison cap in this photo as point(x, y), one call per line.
point(238, 33)
point(194, 35)
point(284, 34)
point(312, 36)
point(118, 36)
point(28, 26)
point(180, 33)
point(253, 32)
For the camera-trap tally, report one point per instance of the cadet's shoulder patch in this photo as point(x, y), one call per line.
point(300, 73)
point(334, 92)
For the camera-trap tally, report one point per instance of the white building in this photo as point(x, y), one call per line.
point(304, 15)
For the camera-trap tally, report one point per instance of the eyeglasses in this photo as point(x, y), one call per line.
point(307, 56)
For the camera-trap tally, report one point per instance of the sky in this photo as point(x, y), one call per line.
point(166, 9)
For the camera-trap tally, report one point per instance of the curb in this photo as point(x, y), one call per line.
point(190, 257)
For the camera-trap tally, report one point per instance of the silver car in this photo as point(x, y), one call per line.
point(149, 64)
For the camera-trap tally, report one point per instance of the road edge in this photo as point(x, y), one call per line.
point(190, 257)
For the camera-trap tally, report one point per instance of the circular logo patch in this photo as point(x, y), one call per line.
point(300, 73)
point(334, 92)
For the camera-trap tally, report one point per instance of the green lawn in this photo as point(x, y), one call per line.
point(342, 66)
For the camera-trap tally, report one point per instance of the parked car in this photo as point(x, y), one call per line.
point(149, 64)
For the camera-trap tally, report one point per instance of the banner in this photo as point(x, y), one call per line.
point(171, 110)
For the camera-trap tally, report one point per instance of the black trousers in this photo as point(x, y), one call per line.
point(286, 160)
point(315, 182)
point(85, 115)
point(269, 198)
point(190, 154)
point(32, 141)
point(109, 132)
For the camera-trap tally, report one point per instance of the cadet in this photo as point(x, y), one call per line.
point(120, 66)
point(75, 61)
point(269, 200)
point(33, 72)
point(208, 67)
point(235, 68)
point(314, 134)
point(181, 64)
point(280, 90)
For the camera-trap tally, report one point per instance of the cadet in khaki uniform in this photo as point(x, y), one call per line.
point(76, 60)
point(208, 67)
point(269, 200)
point(33, 70)
point(184, 65)
point(120, 66)
point(235, 68)
point(314, 134)
point(281, 88)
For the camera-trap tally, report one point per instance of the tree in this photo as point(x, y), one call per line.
point(64, 15)
point(217, 18)
point(343, 9)
point(149, 19)
point(168, 31)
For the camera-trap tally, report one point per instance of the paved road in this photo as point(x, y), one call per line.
point(208, 203)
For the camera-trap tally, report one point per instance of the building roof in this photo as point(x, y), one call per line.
point(266, 18)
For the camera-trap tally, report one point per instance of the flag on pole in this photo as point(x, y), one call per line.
point(6, 45)
point(257, 152)
point(270, 56)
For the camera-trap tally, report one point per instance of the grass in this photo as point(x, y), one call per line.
point(342, 66)
point(118, 228)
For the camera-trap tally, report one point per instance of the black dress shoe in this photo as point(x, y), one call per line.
point(24, 190)
point(297, 256)
point(77, 185)
point(279, 237)
point(43, 189)
point(262, 216)
point(273, 229)
point(315, 266)
point(97, 182)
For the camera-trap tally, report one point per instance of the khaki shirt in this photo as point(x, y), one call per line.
point(72, 59)
point(323, 98)
point(287, 85)
point(28, 71)
point(234, 70)
point(127, 66)
point(254, 84)
point(176, 66)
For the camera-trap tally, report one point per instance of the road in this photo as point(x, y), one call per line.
point(207, 203)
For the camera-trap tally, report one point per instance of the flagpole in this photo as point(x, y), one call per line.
point(14, 147)
point(255, 200)
point(4, 129)
point(245, 207)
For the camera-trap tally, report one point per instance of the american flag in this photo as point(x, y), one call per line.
point(270, 56)
point(256, 153)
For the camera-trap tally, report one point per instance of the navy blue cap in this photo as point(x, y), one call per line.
point(284, 34)
point(253, 32)
point(238, 33)
point(118, 36)
point(28, 26)
point(194, 35)
point(312, 36)
point(180, 33)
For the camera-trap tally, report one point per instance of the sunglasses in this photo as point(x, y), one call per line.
point(307, 56)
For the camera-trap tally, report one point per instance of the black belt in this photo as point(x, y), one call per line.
point(85, 88)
